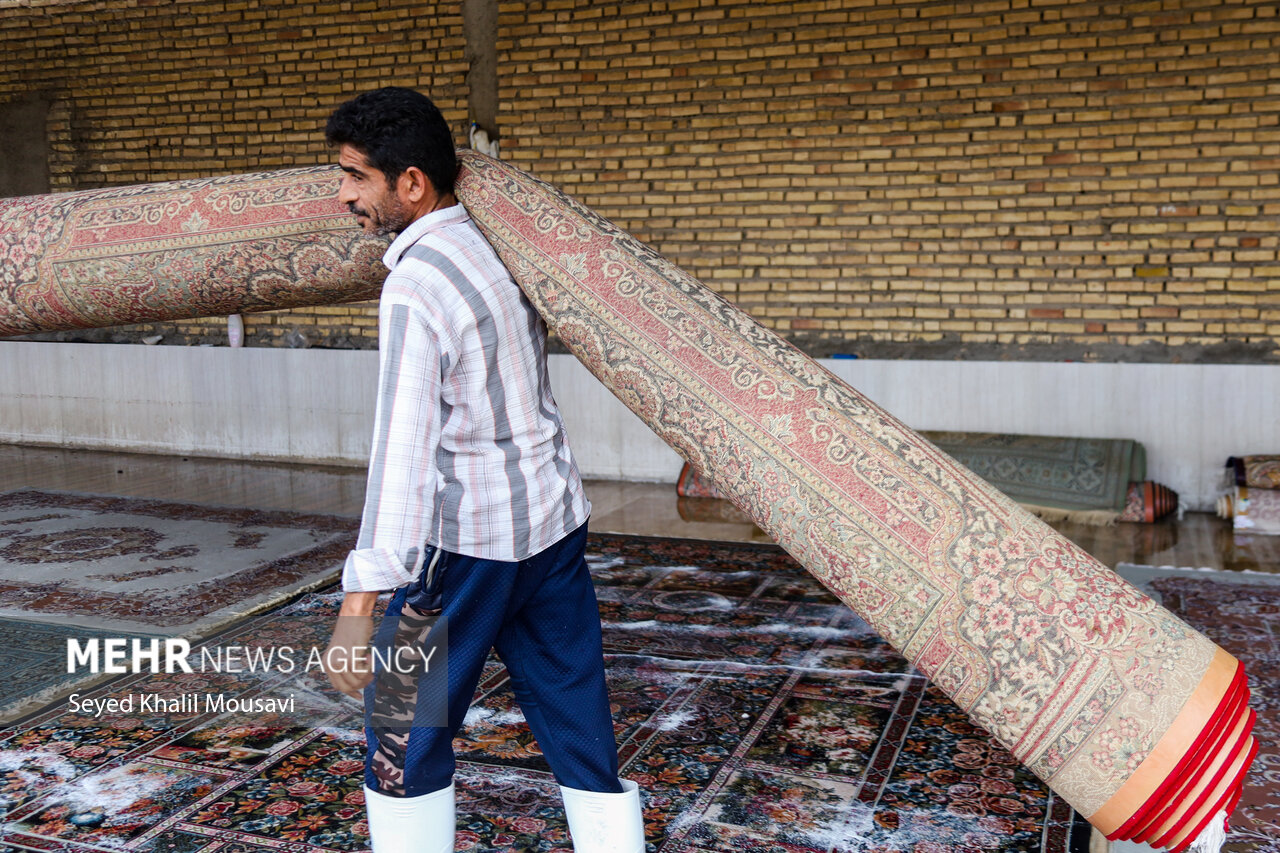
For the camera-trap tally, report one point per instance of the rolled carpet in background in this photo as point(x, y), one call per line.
point(169, 251)
point(692, 485)
point(1149, 502)
point(1252, 510)
point(1075, 479)
point(1136, 719)
point(1257, 472)
point(1145, 502)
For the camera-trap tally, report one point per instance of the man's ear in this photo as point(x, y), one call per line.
point(413, 185)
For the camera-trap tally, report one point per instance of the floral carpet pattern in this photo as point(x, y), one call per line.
point(194, 248)
point(1073, 671)
point(1065, 473)
point(755, 711)
point(1259, 472)
point(127, 564)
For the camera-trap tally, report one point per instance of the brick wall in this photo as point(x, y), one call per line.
point(151, 90)
point(1000, 178)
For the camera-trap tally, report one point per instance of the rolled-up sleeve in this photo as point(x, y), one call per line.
point(400, 494)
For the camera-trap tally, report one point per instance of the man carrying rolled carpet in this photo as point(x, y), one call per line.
point(474, 505)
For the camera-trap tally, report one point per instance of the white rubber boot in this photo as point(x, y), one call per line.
point(423, 824)
point(605, 823)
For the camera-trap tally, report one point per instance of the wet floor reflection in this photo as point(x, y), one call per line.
point(1198, 540)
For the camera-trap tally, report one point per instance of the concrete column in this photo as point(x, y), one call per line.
point(480, 26)
point(24, 170)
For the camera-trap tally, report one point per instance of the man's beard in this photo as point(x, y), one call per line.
point(388, 221)
point(391, 222)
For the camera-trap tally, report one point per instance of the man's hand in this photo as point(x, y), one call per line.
point(347, 661)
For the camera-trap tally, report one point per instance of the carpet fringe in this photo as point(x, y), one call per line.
point(1094, 517)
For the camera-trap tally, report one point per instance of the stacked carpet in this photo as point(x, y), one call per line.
point(698, 500)
point(1251, 510)
point(1252, 502)
point(690, 484)
point(710, 510)
point(1136, 719)
point(1258, 472)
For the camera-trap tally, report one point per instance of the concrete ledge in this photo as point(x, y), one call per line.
point(317, 406)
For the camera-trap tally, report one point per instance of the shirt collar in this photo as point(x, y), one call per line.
point(419, 228)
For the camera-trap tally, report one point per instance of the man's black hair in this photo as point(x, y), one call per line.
point(396, 128)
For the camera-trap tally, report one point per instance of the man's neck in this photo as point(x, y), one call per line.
point(433, 203)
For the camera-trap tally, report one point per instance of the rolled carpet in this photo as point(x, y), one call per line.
point(691, 485)
point(1259, 472)
point(1148, 502)
point(1136, 719)
point(1085, 480)
point(1145, 502)
point(169, 251)
point(1254, 510)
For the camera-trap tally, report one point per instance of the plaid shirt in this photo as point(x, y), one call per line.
point(469, 452)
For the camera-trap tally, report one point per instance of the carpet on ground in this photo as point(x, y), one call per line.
point(1239, 611)
point(33, 663)
point(80, 566)
point(756, 712)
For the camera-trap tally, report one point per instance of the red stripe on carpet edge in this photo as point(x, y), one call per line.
point(1190, 778)
point(1226, 803)
point(1240, 712)
point(1218, 793)
point(1212, 789)
point(1239, 794)
point(1206, 747)
point(1193, 757)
